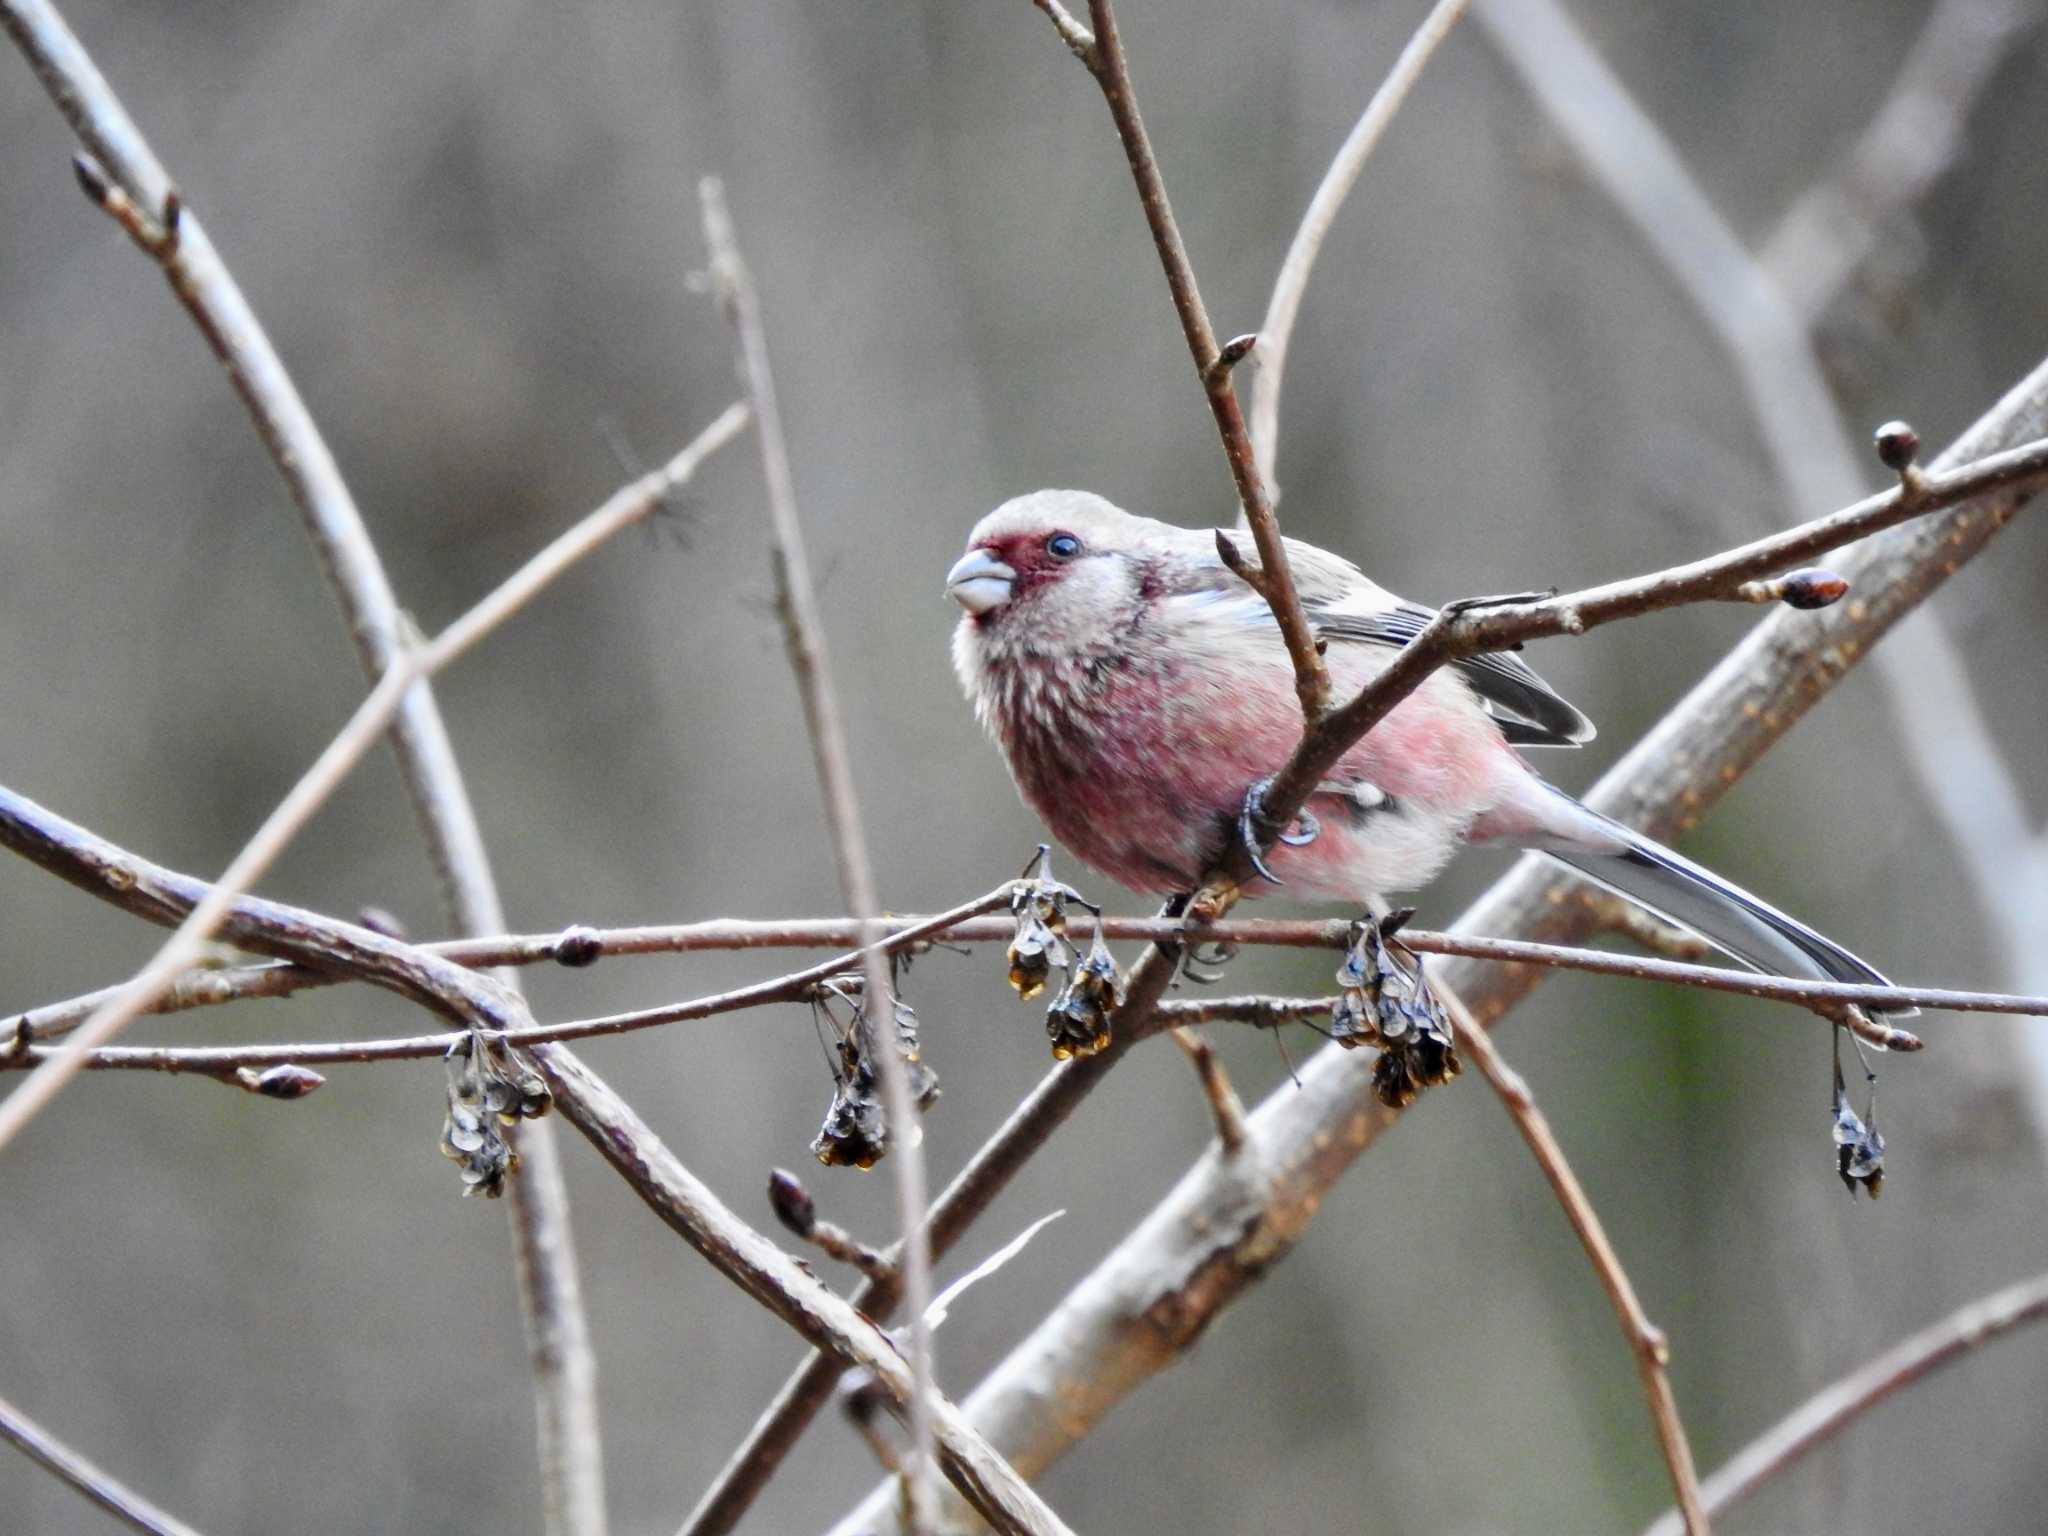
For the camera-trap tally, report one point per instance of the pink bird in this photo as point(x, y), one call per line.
point(1139, 690)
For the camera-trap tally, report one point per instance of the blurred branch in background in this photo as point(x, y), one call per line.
point(1269, 358)
point(124, 169)
point(804, 635)
point(1913, 140)
point(1828, 1412)
point(52, 1454)
point(1943, 735)
point(1645, 1339)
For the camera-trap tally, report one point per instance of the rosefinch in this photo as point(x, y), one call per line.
point(1139, 689)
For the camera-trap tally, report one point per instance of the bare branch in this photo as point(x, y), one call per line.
point(347, 749)
point(804, 634)
point(1645, 1339)
point(1913, 139)
point(1828, 1412)
point(1278, 330)
point(772, 1278)
point(53, 1455)
point(1112, 72)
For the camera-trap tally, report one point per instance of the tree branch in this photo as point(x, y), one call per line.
point(804, 634)
point(333, 764)
point(1828, 1412)
point(1269, 360)
point(774, 1279)
point(1645, 1339)
point(1105, 60)
point(54, 1456)
point(1221, 1228)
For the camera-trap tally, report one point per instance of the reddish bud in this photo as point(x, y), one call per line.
point(1814, 588)
point(793, 1205)
point(1898, 445)
point(281, 1082)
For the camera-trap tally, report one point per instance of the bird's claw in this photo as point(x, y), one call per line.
point(1253, 812)
point(1206, 969)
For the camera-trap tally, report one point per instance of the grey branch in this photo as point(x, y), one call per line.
point(1831, 1410)
point(804, 634)
point(1269, 359)
point(54, 1456)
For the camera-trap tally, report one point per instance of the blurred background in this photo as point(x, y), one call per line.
point(471, 230)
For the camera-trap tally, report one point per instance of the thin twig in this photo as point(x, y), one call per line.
point(804, 635)
point(1645, 1339)
point(1225, 1107)
point(343, 753)
point(771, 1277)
point(1269, 360)
point(1106, 62)
point(1831, 1410)
point(962, 925)
point(53, 1455)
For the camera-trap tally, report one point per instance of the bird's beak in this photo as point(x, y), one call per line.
point(979, 582)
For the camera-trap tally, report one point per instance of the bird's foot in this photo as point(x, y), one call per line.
point(1252, 818)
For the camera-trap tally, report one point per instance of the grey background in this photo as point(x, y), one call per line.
point(470, 229)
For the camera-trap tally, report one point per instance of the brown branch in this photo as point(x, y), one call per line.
point(1225, 1107)
point(1831, 1410)
point(960, 925)
point(1104, 57)
point(804, 635)
point(1645, 1339)
point(1460, 630)
point(774, 1279)
point(54, 1456)
point(164, 897)
point(347, 748)
point(1270, 360)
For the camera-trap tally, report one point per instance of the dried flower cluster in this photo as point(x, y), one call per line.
point(1859, 1148)
point(856, 1129)
point(488, 1088)
point(1386, 1002)
point(1078, 1019)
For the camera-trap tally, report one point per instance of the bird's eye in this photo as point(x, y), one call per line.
point(1063, 546)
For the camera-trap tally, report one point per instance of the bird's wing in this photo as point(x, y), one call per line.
point(1529, 711)
point(1342, 603)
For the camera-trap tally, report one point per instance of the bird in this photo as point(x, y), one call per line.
point(1139, 690)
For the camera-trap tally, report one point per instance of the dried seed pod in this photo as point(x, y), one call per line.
point(1386, 1001)
point(488, 1086)
point(1040, 943)
point(1078, 1020)
point(856, 1131)
point(1859, 1149)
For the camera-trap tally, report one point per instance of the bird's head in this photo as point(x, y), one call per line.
point(1054, 569)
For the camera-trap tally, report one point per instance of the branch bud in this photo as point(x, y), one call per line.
point(792, 1203)
point(1898, 445)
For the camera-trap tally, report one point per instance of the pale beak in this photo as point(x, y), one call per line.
point(979, 582)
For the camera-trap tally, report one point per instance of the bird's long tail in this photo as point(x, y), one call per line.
point(1695, 898)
